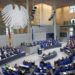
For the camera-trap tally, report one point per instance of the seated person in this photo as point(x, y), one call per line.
point(8, 55)
point(24, 62)
point(43, 55)
point(49, 53)
point(48, 65)
point(73, 66)
point(18, 50)
point(42, 64)
point(49, 72)
point(15, 51)
point(3, 56)
point(11, 53)
point(16, 66)
point(36, 70)
point(57, 71)
point(42, 61)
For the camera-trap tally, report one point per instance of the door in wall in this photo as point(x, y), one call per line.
point(49, 35)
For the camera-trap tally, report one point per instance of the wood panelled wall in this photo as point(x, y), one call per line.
point(42, 14)
point(63, 14)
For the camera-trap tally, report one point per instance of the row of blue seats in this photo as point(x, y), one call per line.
point(67, 60)
point(45, 46)
point(48, 43)
point(9, 72)
point(42, 69)
point(56, 71)
point(64, 69)
point(16, 70)
point(11, 58)
point(65, 65)
point(38, 71)
point(64, 61)
point(45, 65)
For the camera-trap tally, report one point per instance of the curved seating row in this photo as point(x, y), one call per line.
point(66, 66)
point(69, 46)
point(41, 70)
point(50, 43)
point(8, 54)
point(17, 70)
point(66, 69)
point(26, 67)
point(11, 58)
point(49, 56)
point(67, 60)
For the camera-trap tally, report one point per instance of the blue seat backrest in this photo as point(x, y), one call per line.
point(4, 71)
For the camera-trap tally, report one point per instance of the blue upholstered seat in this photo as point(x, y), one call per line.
point(64, 61)
point(41, 66)
point(36, 71)
point(47, 43)
point(57, 71)
point(4, 71)
point(48, 65)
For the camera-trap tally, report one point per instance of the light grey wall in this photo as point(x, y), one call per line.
point(50, 29)
point(3, 40)
point(39, 34)
point(58, 32)
point(19, 38)
point(16, 39)
point(46, 29)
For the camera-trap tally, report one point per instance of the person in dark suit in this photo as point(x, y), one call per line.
point(16, 66)
point(49, 72)
point(3, 56)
